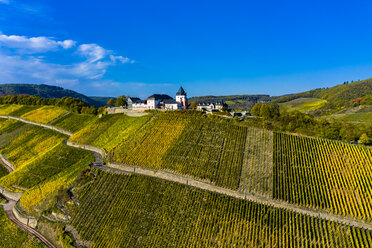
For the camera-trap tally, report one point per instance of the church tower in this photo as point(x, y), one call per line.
point(181, 97)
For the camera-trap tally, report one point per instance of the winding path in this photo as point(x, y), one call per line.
point(123, 168)
point(8, 208)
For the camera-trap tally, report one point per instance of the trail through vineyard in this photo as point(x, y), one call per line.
point(264, 137)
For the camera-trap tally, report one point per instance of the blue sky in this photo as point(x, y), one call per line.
point(109, 48)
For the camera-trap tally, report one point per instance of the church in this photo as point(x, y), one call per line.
point(159, 101)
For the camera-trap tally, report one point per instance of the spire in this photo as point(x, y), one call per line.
point(181, 92)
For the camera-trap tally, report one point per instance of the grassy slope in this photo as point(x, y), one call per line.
point(110, 130)
point(137, 211)
point(73, 122)
point(302, 104)
point(338, 95)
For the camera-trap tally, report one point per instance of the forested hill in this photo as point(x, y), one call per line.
point(339, 95)
point(43, 91)
point(238, 102)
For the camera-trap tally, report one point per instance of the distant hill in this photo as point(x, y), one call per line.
point(235, 102)
point(339, 95)
point(102, 100)
point(44, 91)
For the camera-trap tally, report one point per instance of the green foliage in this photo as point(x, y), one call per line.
point(44, 167)
point(121, 101)
point(110, 130)
point(74, 122)
point(138, 211)
point(206, 147)
point(69, 103)
point(365, 140)
point(3, 171)
point(65, 239)
point(44, 195)
point(302, 104)
point(337, 96)
point(235, 102)
point(30, 145)
point(111, 102)
point(43, 91)
point(12, 236)
point(266, 110)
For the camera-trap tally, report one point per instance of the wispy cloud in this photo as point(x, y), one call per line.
point(4, 1)
point(33, 44)
point(28, 59)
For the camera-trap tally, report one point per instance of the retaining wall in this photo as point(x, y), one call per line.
point(9, 164)
point(31, 222)
point(9, 194)
point(38, 124)
point(88, 147)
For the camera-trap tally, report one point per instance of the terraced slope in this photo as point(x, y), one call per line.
point(137, 211)
point(323, 174)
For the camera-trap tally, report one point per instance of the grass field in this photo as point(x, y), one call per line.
point(302, 104)
point(353, 117)
point(137, 211)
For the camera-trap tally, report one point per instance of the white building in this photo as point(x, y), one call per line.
point(160, 101)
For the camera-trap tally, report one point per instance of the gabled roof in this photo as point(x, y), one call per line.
point(159, 97)
point(170, 101)
point(135, 99)
point(181, 92)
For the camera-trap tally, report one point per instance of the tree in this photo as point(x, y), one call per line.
point(364, 139)
point(193, 105)
point(111, 102)
point(256, 109)
point(121, 101)
point(265, 111)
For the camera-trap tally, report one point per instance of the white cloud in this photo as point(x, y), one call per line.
point(93, 52)
point(4, 1)
point(21, 60)
point(66, 44)
point(33, 44)
point(120, 59)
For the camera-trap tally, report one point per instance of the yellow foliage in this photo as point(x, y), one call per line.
point(7, 109)
point(45, 114)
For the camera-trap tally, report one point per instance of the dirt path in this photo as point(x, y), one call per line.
point(8, 208)
point(123, 168)
point(6, 164)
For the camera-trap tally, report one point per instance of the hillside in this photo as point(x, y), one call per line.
point(235, 102)
point(336, 96)
point(44, 91)
point(184, 179)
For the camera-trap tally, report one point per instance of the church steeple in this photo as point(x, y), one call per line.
point(181, 92)
point(181, 97)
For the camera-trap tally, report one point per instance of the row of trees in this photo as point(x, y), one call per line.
point(72, 104)
point(120, 101)
point(298, 122)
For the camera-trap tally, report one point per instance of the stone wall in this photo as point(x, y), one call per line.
point(9, 164)
point(87, 147)
point(31, 222)
point(38, 124)
point(9, 194)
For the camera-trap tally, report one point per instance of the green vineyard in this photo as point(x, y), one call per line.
point(213, 150)
point(137, 211)
point(323, 174)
